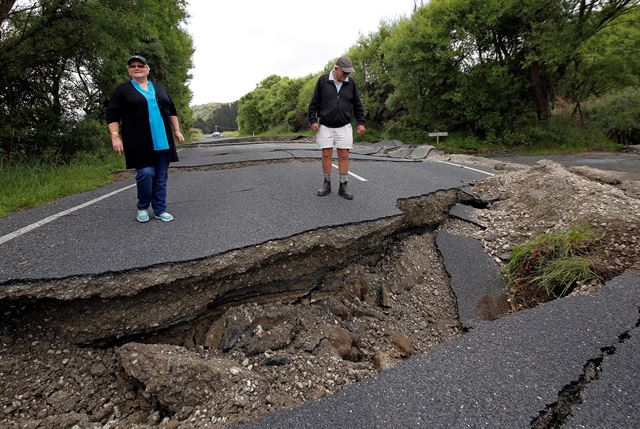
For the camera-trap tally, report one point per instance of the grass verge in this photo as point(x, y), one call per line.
point(557, 137)
point(28, 185)
point(280, 131)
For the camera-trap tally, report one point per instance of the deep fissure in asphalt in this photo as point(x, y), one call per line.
point(150, 300)
point(556, 414)
point(333, 296)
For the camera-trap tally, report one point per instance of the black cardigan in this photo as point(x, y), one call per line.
point(332, 108)
point(128, 107)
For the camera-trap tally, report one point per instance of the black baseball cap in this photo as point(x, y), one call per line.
point(140, 58)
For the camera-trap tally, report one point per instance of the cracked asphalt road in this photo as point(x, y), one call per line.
point(216, 210)
point(503, 374)
point(500, 374)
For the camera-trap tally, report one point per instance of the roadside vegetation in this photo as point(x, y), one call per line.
point(499, 76)
point(283, 131)
point(31, 184)
point(550, 266)
point(59, 63)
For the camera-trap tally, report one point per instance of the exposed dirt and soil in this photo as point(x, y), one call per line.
point(221, 341)
point(547, 197)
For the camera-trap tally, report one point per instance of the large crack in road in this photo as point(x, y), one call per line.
point(269, 326)
point(226, 339)
point(555, 415)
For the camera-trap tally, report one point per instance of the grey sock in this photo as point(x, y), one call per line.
point(343, 178)
point(327, 177)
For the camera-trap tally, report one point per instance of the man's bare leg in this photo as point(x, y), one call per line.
point(326, 171)
point(343, 168)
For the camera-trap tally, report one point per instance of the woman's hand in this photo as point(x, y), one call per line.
point(116, 143)
point(179, 136)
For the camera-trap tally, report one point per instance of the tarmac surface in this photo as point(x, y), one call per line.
point(581, 352)
point(472, 275)
point(216, 210)
point(505, 374)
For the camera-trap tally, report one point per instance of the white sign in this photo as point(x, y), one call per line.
point(442, 134)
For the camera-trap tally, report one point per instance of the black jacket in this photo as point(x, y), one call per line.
point(333, 109)
point(128, 107)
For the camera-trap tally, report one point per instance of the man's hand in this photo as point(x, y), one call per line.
point(361, 129)
point(315, 126)
point(179, 136)
point(116, 143)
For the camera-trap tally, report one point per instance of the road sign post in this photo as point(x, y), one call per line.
point(438, 135)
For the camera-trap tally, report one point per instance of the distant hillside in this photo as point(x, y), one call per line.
point(208, 116)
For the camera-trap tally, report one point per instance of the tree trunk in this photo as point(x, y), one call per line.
point(542, 100)
point(578, 109)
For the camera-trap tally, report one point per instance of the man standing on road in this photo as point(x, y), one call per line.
point(334, 98)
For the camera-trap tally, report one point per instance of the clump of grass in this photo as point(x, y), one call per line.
point(558, 276)
point(550, 266)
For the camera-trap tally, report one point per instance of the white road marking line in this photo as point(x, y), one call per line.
point(51, 218)
point(468, 168)
point(362, 179)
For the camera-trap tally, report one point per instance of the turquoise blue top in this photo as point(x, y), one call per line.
point(158, 132)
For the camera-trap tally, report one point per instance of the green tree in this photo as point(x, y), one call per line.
point(216, 117)
point(493, 68)
point(256, 109)
point(250, 119)
point(606, 62)
point(487, 65)
point(304, 98)
point(285, 100)
point(60, 60)
point(373, 74)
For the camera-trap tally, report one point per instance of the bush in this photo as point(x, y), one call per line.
point(296, 121)
point(561, 134)
point(617, 115)
point(462, 143)
point(195, 134)
point(396, 130)
point(87, 135)
point(371, 135)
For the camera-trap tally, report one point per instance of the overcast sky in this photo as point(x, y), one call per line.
point(239, 43)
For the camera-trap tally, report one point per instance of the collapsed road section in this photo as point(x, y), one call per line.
point(218, 341)
point(229, 338)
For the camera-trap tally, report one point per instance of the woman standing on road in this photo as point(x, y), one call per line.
point(141, 117)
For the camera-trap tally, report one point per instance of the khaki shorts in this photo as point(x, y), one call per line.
point(340, 138)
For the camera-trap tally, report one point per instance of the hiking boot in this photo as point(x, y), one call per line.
point(325, 189)
point(344, 191)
